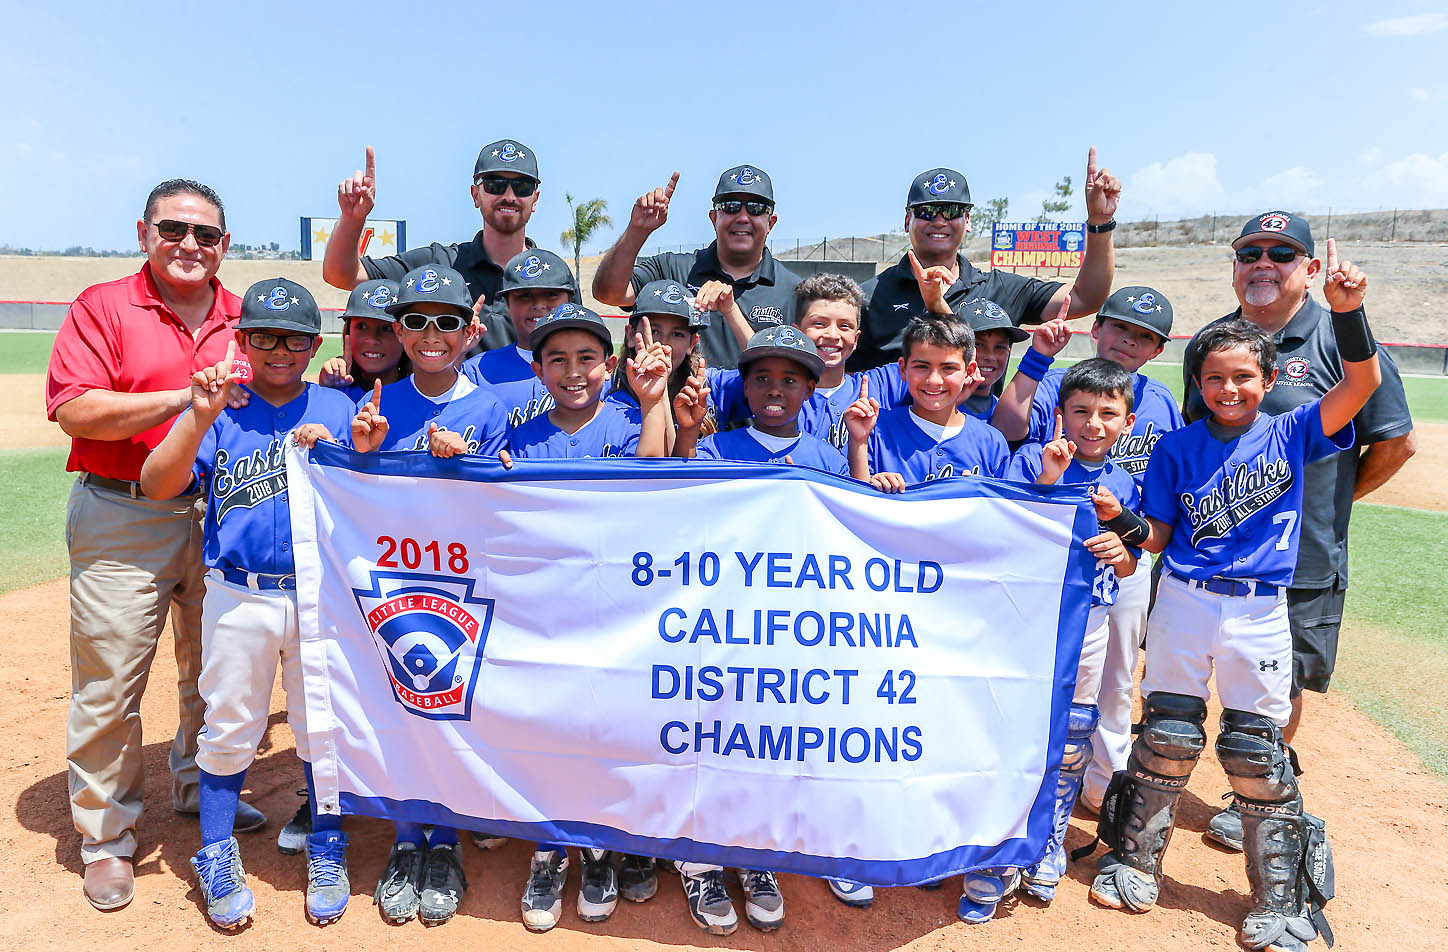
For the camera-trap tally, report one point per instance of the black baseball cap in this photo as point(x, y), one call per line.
point(669, 297)
point(983, 314)
point(433, 282)
point(1291, 229)
point(370, 299)
point(745, 180)
point(536, 268)
point(1139, 305)
point(938, 185)
point(787, 342)
point(566, 316)
point(507, 155)
point(278, 304)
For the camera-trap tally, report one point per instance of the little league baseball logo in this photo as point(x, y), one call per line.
point(429, 631)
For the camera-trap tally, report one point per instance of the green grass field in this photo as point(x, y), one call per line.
point(36, 486)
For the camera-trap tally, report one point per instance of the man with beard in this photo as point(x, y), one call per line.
point(504, 190)
point(1273, 268)
point(743, 215)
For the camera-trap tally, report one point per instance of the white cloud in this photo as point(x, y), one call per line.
point(1415, 25)
point(1190, 185)
point(1420, 94)
point(1414, 181)
point(1373, 156)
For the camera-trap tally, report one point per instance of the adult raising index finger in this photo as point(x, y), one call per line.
point(1331, 255)
point(1090, 165)
point(673, 182)
point(369, 173)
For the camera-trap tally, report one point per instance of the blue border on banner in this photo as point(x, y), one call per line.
point(1071, 625)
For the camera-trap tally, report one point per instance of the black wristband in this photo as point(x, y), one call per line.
point(1132, 528)
point(1354, 338)
point(1101, 229)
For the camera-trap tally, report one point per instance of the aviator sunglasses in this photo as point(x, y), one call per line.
point(1277, 254)
point(207, 236)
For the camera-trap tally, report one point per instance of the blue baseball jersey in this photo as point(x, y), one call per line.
point(1025, 466)
point(981, 407)
point(739, 444)
point(1156, 413)
point(613, 432)
point(509, 377)
point(1235, 508)
point(467, 409)
point(823, 414)
point(899, 445)
point(241, 466)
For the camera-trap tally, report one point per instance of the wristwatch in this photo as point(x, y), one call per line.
point(1102, 229)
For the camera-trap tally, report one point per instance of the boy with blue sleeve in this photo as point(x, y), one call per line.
point(249, 617)
point(1094, 407)
point(930, 437)
point(535, 282)
point(778, 373)
point(1222, 503)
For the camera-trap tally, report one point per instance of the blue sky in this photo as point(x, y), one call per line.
point(1231, 108)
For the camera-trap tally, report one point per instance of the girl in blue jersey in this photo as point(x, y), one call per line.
point(371, 349)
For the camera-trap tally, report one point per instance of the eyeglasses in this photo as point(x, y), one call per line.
point(497, 185)
point(950, 211)
point(207, 236)
point(296, 343)
point(1277, 254)
point(417, 321)
point(755, 209)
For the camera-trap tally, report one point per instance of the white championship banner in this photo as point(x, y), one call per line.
point(744, 664)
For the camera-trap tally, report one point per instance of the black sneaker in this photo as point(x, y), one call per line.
point(763, 904)
point(292, 840)
point(1225, 829)
point(443, 883)
point(637, 878)
point(399, 891)
point(709, 902)
point(543, 895)
point(598, 893)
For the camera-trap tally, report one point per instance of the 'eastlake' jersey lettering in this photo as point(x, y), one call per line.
point(511, 380)
point(899, 445)
point(1156, 413)
point(1235, 508)
point(242, 465)
point(1025, 466)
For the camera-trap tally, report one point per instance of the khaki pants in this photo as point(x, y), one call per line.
point(131, 562)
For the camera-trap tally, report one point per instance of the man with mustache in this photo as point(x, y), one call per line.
point(743, 215)
point(1273, 268)
point(505, 192)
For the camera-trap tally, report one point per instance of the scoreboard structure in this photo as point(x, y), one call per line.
point(381, 237)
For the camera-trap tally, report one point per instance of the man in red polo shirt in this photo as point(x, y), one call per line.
point(120, 372)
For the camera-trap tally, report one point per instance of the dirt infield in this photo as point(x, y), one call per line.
point(1386, 815)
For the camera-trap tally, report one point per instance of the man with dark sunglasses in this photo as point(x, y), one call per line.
point(1273, 267)
point(742, 215)
point(937, 219)
point(120, 372)
point(505, 192)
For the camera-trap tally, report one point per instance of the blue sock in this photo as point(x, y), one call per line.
point(218, 805)
point(409, 833)
point(320, 821)
point(443, 836)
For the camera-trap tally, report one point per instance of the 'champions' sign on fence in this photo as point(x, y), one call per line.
point(1037, 244)
point(751, 665)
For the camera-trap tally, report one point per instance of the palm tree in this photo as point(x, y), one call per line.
point(588, 217)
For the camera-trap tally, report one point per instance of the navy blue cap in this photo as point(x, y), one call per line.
point(1291, 229)
point(1139, 305)
point(983, 314)
point(787, 342)
point(536, 268)
point(279, 304)
point(938, 185)
point(370, 299)
point(507, 155)
point(433, 282)
point(669, 297)
point(745, 180)
point(566, 316)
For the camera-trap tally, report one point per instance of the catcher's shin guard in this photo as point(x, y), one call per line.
point(984, 889)
point(1041, 879)
point(1139, 811)
point(1289, 862)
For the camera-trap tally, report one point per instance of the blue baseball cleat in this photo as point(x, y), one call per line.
point(328, 887)
point(229, 903)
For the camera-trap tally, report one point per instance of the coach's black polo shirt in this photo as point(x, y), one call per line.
point(483, 275)
point(1307, 367)
point(893, 297)
point(766, 297)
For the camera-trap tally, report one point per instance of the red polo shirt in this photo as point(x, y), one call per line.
point(121, 336)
